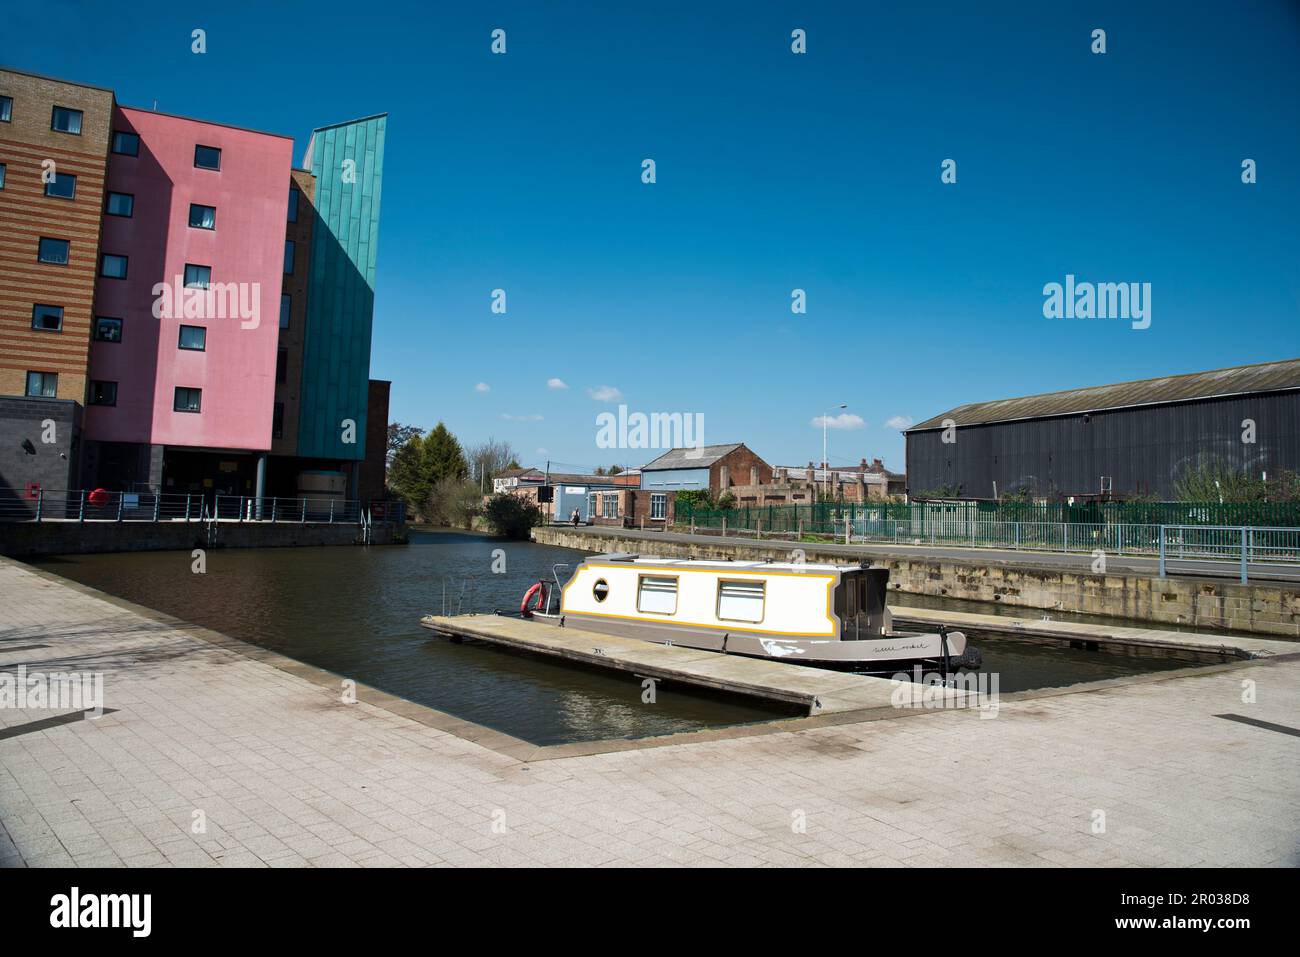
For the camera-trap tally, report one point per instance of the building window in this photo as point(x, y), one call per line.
point(600, 590)
point(6, 108)
point(740, 601)
point(64, 120)
point(658, 595)
point(112, 267)
point(207, 157)
point(62, 186)
point(197, 277)
point(120, 204)
point(293, 203)
point(203, 217)
point(2, 175)
point(126, 144)
point(108, 330)
point(52, 251)
point(194, 338)
point(286, 302)
point(103, 393)
point(288, 257)
point(42, 385)
point(609, 502)
point(47, 318)
point(658, 505)
point(277, 421)
point(282, 365)
point(187, 400)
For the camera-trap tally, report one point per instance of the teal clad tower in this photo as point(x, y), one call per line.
point(347, 160)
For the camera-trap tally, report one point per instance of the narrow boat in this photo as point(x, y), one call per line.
point(831, 616)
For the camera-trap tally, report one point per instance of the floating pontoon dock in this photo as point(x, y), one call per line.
point(818, 690)
point(1197, 643)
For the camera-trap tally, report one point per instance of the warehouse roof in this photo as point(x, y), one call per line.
point(1263, 377)
point(691, 457)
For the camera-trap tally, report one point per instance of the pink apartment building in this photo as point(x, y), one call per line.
point(189, 205)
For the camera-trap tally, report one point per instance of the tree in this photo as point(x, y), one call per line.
point(511, 515)
point(425, 471)
point(489, 459)
point(398, 436)
point(442, 456)
point(1216, 482)
point(453, 501)
point(406, 474)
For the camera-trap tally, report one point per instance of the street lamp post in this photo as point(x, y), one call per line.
point(825, 462)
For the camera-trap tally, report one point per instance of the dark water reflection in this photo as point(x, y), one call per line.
point(355, 611)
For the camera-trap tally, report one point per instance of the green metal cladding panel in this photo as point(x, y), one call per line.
point(341, 286)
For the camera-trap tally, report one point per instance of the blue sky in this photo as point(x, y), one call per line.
point(775, 171)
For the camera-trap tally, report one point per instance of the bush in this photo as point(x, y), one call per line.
point(511, 516)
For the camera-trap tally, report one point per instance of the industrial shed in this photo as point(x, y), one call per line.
point(1130, 439)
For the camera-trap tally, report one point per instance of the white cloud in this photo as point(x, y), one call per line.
point(605, 393)
point(543, 451)
point(845, 420)
point(899, 422)
point(482, 387)
point(521, 418)
point(556, 384)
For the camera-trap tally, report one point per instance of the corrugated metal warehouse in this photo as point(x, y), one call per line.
point(1123, 440)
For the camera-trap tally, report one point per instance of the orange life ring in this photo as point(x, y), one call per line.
point(537, 592)
point(98, 497)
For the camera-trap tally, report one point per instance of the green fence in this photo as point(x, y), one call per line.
point(985, 522)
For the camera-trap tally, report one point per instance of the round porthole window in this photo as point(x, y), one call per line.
point(600, 589)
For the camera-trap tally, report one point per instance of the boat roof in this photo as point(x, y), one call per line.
point(631, 558)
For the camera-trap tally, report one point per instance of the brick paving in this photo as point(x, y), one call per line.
point(282, 773)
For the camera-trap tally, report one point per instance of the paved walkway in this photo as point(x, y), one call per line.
point(281, 772)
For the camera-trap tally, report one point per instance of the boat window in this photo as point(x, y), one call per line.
point(740, 601)
point(600, 589)
point(657, 594)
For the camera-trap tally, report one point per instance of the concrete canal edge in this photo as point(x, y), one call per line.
point(1264, 608)
point(31, 539)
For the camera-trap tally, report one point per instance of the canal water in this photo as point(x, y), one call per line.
point(355, 612)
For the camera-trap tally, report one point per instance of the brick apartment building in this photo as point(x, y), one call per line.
point(717, 468)
point(190, 311)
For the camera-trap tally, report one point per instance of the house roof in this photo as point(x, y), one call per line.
point(517, 473)
point(1237, 380)
point(575, 478)
point(691, 457)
